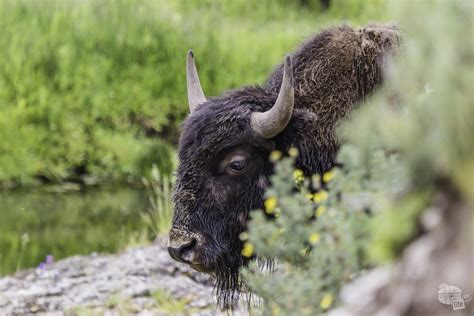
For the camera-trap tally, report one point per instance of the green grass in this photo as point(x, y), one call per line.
point(166, 303)
point(98, 89)
point(163, 304)
point(158, 216)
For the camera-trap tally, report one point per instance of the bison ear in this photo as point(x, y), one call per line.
point(272, 122)
point(195, 93)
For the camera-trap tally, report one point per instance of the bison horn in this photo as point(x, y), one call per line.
point(195, 93)
point(272, 122)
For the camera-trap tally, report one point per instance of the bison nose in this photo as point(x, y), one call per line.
point(183, 252)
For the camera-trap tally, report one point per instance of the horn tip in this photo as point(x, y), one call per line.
point(190, 53)
point(288, 69)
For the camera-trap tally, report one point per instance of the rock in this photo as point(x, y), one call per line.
point(441, 255)
point(109, 285)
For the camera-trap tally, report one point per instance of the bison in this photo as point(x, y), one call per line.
point(225, 143)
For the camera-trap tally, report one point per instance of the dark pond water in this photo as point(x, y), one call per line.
point(38, 223)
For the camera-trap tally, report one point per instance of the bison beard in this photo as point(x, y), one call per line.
point(228, 282)
point(223, 167)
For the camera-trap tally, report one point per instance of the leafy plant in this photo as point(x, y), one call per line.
point(408, 143)
point(158, 217)
point(318, 234)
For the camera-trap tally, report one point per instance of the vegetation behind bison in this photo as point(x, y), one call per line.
point(225, 143)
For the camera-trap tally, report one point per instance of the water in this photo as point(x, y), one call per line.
point(37, 223)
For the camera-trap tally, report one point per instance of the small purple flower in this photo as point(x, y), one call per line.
point(49, 259)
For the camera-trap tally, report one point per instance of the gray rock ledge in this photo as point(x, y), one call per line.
point(138, 281)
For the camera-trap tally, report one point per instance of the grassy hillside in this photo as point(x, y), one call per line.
point(94, 88)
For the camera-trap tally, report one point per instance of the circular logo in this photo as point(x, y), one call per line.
point(449, 293)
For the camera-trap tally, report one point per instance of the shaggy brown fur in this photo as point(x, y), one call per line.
point(334, 73)
point(223, 163)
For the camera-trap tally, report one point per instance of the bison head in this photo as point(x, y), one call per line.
point(225, 143)
point(224, 171)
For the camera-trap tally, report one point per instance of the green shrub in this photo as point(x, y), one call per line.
point(318, 240)
point(424, 113)
point(423, 118)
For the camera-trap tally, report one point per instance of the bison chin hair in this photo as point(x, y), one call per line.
point(229, 285)
point(225, 261)
point(226, 271)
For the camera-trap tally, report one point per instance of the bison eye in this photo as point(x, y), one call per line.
point(235, 162)
point(238, 165)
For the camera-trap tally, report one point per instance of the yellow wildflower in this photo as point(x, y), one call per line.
point(328, 176)
point(275, 155)
point(247, 250)
point(276, 310)
point(320, 196)
point(270, 204)
point(326, 301)
point(320, 210)
point(298, 175)
point(314, 238)
point(293, 152)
